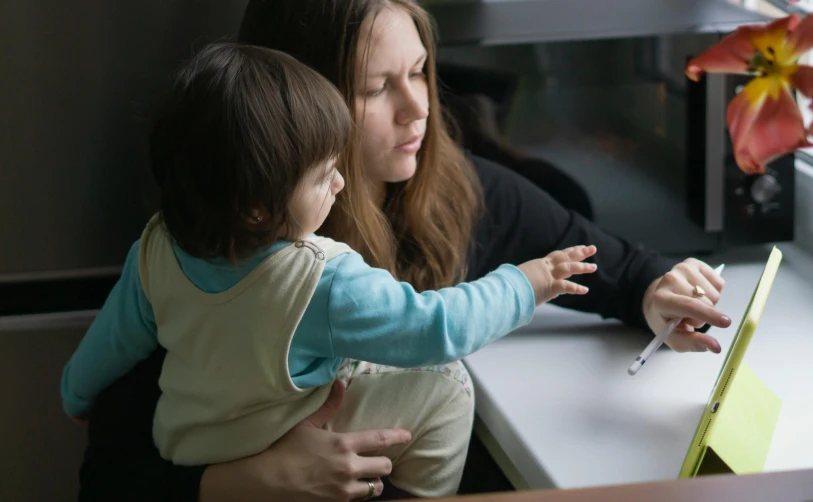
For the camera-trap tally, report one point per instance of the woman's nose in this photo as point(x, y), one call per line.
point(415, 105)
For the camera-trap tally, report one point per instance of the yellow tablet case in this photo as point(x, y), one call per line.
point(737, 426)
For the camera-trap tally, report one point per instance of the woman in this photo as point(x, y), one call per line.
point(413, 204)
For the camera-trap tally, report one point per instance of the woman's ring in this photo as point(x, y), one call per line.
point(370, 491)
point(697, 292)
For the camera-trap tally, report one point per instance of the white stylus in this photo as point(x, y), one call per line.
point(656, 343)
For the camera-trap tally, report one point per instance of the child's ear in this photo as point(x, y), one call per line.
point(251, 218)
point(255, 216)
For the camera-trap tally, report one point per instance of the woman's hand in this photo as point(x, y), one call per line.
point(308, 464)
point(671, 296)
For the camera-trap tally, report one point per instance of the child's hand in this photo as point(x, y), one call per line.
point(548, 276)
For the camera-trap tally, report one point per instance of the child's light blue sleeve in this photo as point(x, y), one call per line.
point(122, 334)
point(372, 317)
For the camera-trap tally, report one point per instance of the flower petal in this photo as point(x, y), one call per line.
point(800, 39)
point(765, 123)
point(802, 80)
point(729, 55)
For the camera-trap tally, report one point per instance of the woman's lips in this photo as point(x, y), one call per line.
point(411, 146)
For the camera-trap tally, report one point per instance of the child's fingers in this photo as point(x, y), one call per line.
point(575, 253)
point(579, 253)
point(569, 288)
point(567, 269)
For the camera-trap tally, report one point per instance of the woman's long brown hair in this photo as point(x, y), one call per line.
point(424, 231)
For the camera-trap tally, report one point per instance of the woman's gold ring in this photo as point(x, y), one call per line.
point(370, 490)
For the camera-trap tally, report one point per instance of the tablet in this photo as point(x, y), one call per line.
point(736, 352)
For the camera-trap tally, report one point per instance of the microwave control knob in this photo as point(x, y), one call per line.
point(764, 188)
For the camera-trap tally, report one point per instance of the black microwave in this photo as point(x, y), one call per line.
point(594, 92)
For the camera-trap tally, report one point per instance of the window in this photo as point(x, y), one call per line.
point(776, 8)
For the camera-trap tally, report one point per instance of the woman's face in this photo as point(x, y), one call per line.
point(392, 99)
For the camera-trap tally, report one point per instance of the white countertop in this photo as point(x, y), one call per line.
point(557, 399)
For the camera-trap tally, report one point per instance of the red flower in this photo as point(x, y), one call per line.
point(764, 119)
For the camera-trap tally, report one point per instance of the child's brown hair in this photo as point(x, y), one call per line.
point(241, 127)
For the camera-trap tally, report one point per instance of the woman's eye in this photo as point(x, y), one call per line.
point(376, 92)
point(417, 74)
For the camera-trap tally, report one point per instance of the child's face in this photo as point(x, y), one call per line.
point(314, 196)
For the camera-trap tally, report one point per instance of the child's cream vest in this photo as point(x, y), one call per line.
point(226, 389)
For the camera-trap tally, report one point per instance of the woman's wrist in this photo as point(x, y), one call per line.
point(215, 483)
point(647, 303)
point(238, 481)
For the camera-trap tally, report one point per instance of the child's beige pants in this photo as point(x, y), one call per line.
point(436, 404)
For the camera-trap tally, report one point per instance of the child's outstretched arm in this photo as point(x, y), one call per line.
point(122, 334)
point(373, 317)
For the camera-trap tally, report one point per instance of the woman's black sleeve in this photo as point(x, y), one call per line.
point(522, 222)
